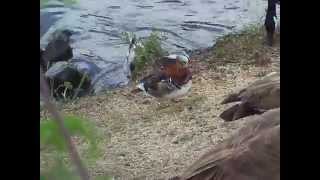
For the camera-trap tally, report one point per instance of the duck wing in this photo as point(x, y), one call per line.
point(273, 78)
point(257, 98)
point(251, 153)
point(152, 81)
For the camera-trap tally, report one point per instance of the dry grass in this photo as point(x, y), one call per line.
point(148, 140)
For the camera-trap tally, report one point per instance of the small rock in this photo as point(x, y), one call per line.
point(175, 141)
point(172, 132)
point(127, 164)
point(178, 139)
point(146, 102)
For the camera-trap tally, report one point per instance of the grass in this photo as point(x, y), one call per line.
point(147, 53)
point(190, 103)
point(53, 149)
point(245, 47)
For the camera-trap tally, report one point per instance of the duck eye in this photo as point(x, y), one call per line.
point(184, 62)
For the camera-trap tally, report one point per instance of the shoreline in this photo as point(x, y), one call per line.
point(144, 140)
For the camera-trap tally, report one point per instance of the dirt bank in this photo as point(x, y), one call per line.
point(148, 140)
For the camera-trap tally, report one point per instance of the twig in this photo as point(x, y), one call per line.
point(85, 75)
point(65, 93)
point(44, 90)
point(52, 86)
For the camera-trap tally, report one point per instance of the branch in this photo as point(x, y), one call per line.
point(44, 91)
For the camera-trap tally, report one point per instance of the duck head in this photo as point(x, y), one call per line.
point(131, 52)
point(184, 58)
point(180, 61)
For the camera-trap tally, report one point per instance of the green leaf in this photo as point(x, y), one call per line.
point(42, 177)
point(103, 178)
point(50, 136)
point(59, 172)
point(148, 52)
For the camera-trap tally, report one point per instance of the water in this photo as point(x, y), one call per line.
point(188, 25)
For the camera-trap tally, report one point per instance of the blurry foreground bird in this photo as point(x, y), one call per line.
point(257, 98)
point(252, 153)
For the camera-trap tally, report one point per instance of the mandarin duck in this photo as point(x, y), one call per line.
point(171, 80)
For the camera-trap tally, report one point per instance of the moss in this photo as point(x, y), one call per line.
point(241, 47)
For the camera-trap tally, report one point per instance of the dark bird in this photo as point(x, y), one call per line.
point(171, 80)
point(252, 153)
point(58, 49)
point(270, 22)
point(43, 64)
point(257, 98)
point(131, 53)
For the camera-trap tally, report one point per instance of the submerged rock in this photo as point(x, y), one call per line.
point(85, 67)
point(101, 74)
point(106, 78)
point(64, 76)
point(62, 71)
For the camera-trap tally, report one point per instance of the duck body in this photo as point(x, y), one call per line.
point(257, 98)
point(172, 80)
point(164, 88)
point(251, 153)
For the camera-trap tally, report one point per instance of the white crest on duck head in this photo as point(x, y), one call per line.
point(183, 58)
point(172, 56)
point(132, 46)
point(133, 42)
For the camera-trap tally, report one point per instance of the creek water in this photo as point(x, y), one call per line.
point(97, 27)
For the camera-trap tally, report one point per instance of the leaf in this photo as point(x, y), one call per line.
point(59, 172)
point(103, 178)
point(51, 136)
point(42, 177)
point(148, 52)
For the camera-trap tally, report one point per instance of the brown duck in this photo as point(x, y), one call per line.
point(172, 79)
point(257, 98)
point(252, 153)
